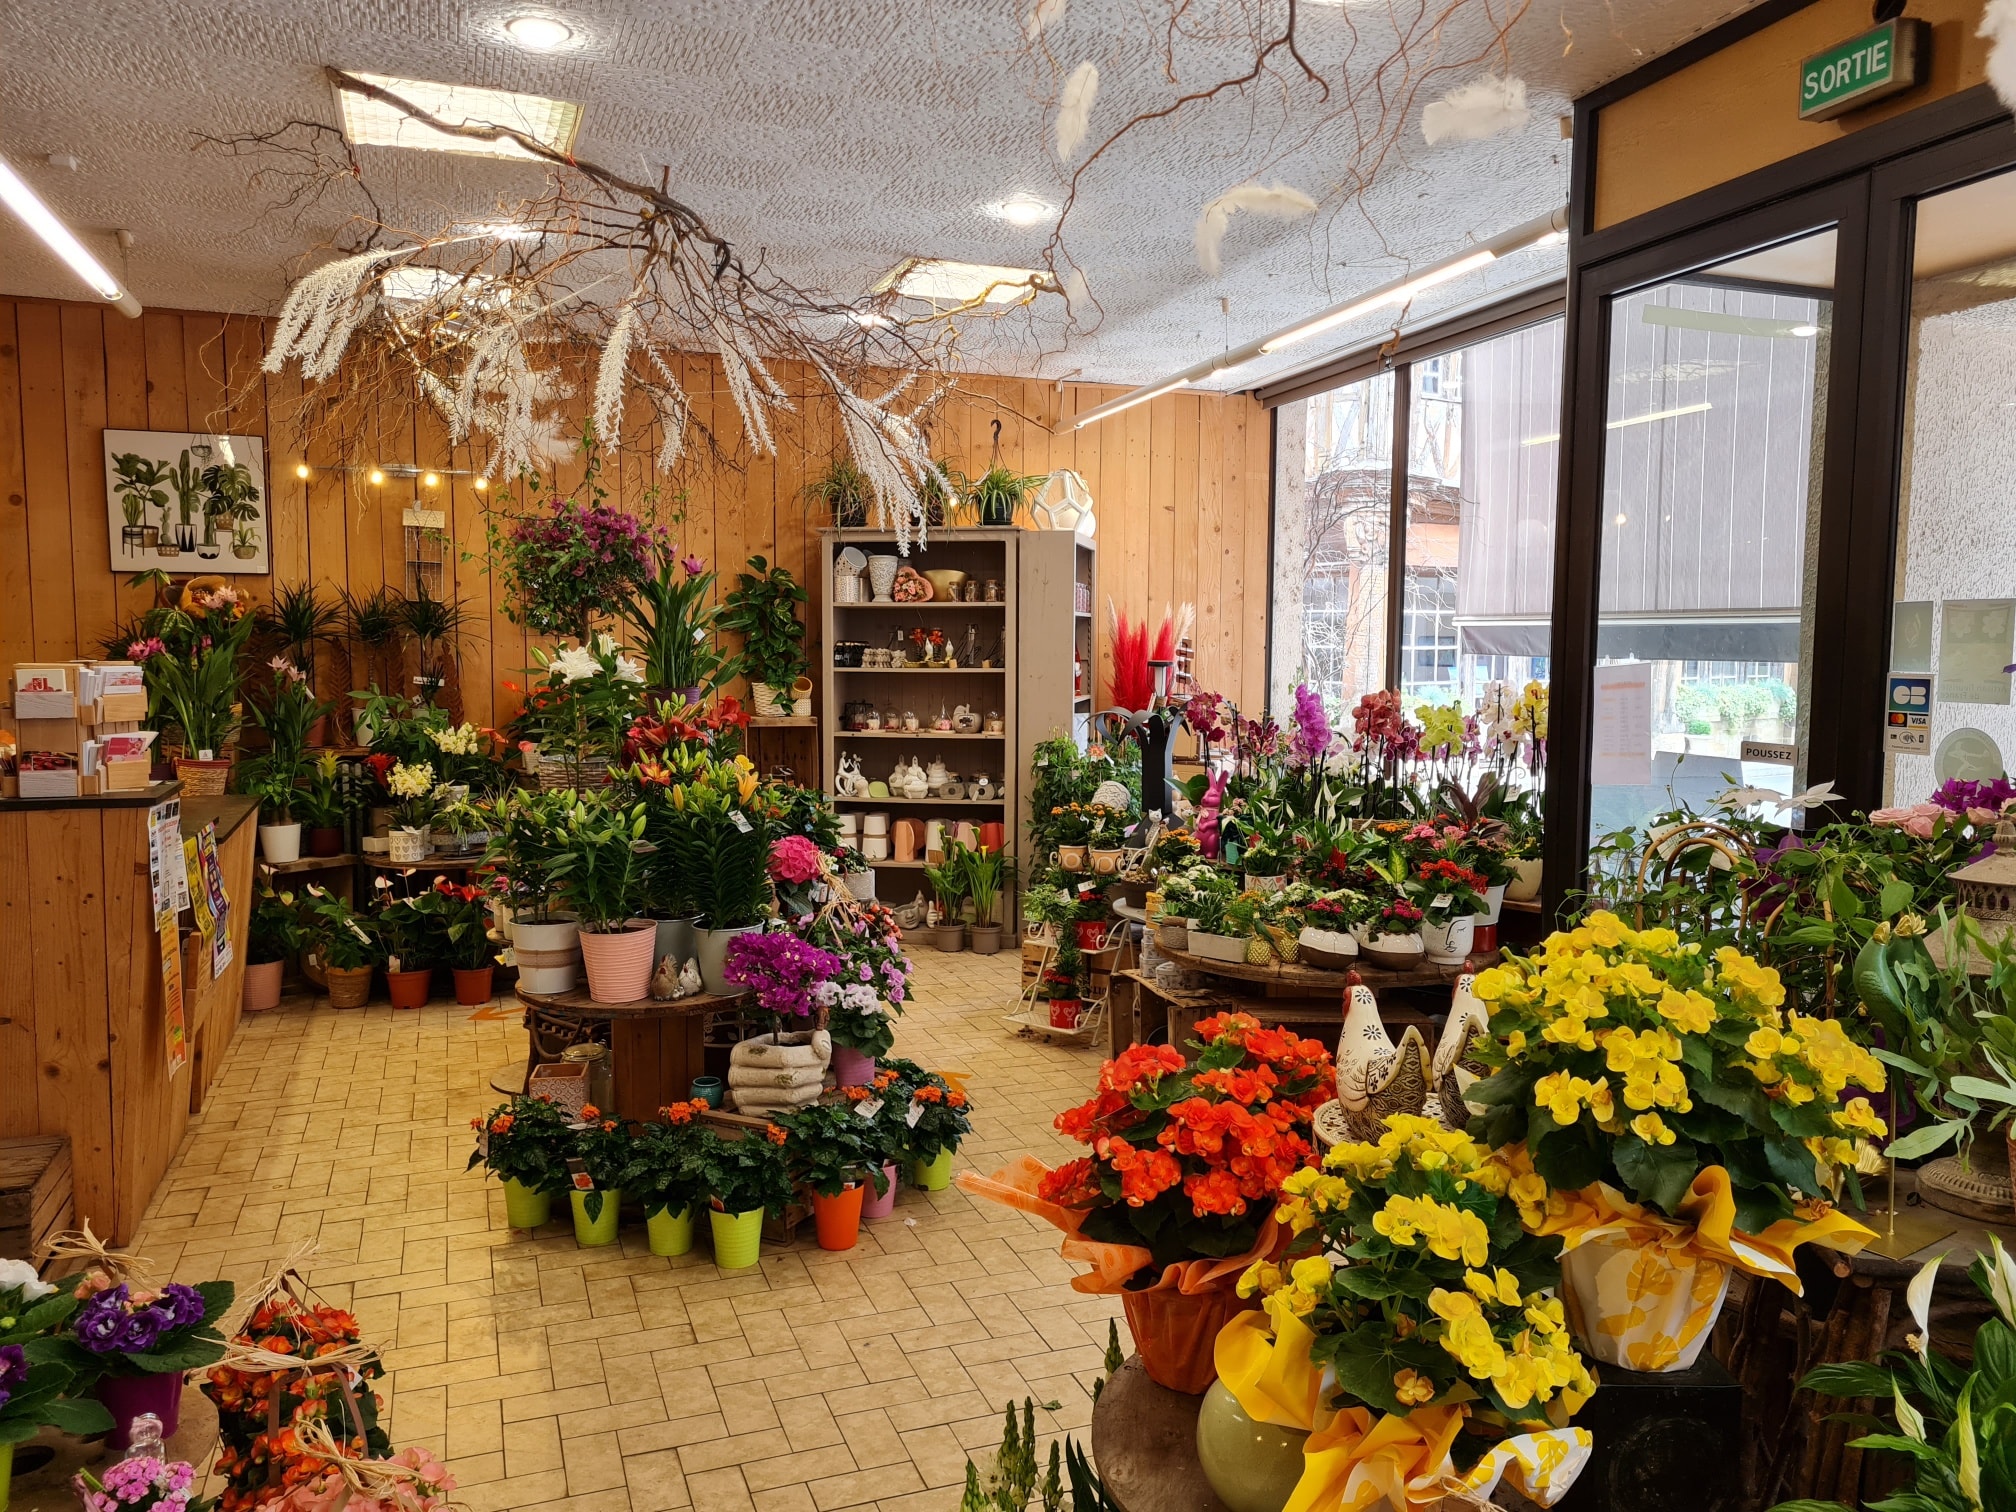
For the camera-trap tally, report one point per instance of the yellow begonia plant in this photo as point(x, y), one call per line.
point(1627, 1057)
point(1443, 1298)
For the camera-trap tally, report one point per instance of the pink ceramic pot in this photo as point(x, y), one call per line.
point(126, 1397)
point(619, 965)
point(851, 1068)
point(262, 985)
point(881, 1207)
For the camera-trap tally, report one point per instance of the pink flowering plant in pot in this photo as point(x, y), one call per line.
point(568, 563)
point(862, 999)
point(782, 969)
point(144, 1484)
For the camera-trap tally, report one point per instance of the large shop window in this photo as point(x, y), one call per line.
point(1475, 571)
point(1954, 622)
point(1714, 426)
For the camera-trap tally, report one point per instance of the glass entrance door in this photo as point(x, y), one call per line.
point(1715, 422)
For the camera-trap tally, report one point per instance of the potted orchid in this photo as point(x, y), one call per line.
point(411, 786)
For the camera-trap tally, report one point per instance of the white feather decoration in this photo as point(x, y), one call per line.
point(322, 310)
point(1042, 15)
point(674, 410)
point(1074, 109)
point(1998, 23)
point(1485, 107)
point(1279, 200)
point(609, 376)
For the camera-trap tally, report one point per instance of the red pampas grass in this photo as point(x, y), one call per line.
point(1131, 683)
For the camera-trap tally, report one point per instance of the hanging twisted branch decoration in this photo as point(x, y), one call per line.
point(490, 325)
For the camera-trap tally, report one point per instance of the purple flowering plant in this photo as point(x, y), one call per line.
point(120, 1330)
point(873, 980)
point(781, 969)
point(143, 1484)
point(578, 559)
point(35, 1384)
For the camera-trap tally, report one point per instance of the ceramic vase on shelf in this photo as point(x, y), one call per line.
point(882, 576)
point(1449, 944)
point(618, 964)
point(408, 845)
point(262, 985)
point(1327, 949)
point(280, 843)
point(711, 946)
point(1524, 887)
point(548, 954)
point(1395, 952)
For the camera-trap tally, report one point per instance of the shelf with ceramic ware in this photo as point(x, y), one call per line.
point(935, 605)
point(908, 671)
point(782, 721)
point(915, 735)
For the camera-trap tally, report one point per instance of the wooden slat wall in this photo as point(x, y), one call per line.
point(1181, 486)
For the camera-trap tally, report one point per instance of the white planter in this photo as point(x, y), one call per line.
point(1216, 947)
point(1171, 933)
point(711, 946)
point(1449, 944)
point(548, 955)
point(860, 884)
point(1604, 1279)
point(882, 576)
point(1525, 887)
point(1396, 952)
point(280, 843)
point(1332, 941)
point(1494, 904)
point(408, 846)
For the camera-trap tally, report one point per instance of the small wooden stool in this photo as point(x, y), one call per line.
point(35, 1196)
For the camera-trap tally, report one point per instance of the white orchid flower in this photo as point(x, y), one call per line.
point(1735, 798)
point(19, 1273)
point(1918, 1297)
point(1813, 797)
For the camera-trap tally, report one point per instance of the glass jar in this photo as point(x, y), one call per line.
point(601, 1075)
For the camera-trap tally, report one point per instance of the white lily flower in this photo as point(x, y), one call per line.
point(1918, 1297)
point(1736, 798)
point(1909, 1418)
point(19, 1273)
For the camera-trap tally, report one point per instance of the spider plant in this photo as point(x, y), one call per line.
point(842, 488)
point(998, 493)
point(301, 620)
point(431, 623)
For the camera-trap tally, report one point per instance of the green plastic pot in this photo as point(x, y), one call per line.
point(601, 1230)
point(933, 1175)
point(525, 1208)
point(670, 1233)
point(737, 1237)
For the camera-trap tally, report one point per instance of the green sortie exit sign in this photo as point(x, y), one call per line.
point(1863, 69)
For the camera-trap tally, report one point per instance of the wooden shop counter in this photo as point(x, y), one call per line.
point(83, 1029)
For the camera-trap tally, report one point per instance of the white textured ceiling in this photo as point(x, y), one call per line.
point(837, 135)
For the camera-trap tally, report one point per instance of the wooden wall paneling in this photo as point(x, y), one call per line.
point(17, 604)
point(1165, 478)
point(1233, 583)
point(66, 929)
point(125, 409)
point(20, 1051)
point(1209, 634)
point(1181, 524)
point(226, 1007)
point(1252, 654)
point(84, 443)
point(286, 492)
point(51, 567)
point(167, 388)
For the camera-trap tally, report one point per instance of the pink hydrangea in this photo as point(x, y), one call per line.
point(794, 859)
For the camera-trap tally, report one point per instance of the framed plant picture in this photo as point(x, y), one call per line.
point(188, 501)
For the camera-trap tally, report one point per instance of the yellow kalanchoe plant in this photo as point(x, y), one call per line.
point(1441, 1298)
point(1627, 1057)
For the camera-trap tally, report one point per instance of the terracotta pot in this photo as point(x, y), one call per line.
point(349, 986)
point(472, 984)
point(410, 989)
point(325, 841)
point(1175, 1333)
point(262, 985)
point(619, 965)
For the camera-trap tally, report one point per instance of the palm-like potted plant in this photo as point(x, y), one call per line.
point(273, 934)
point(432, 624)
point(668, 1174)
point(302, 622)
point(345, 946)
point(834, 1151)
point(373, 621)
point(843, 488)
point(747, 1177)
point(988, 874)
point(947, 881)
point(763, 610)
point(670, 608)
point(600, 866)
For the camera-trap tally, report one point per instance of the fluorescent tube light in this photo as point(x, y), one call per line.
point(945, 282)
point(1629, 420)
point(1529, 233)
point(372, 123)
point(27, 204)
point(1379, 301)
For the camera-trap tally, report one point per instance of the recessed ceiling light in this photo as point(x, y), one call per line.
point(945, 282)
point(371, 123)
point(539, 33)
point(1022, 210)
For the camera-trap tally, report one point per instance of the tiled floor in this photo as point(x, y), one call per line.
point(557, 1377)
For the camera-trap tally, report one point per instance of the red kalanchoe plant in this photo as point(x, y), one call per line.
point(1188, 1157)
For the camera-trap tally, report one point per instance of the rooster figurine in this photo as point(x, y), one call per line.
point(1454, 1068)
point(1375, 1078)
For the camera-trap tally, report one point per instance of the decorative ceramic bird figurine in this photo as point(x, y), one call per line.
point(1454, 1068)
point(689, 981)
point(665, 980)
point(1375, 1078)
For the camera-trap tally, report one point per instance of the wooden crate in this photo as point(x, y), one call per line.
point(35, 1193)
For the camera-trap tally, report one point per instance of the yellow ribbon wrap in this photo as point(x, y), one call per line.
point(1354, 1461)
point(1643, 1290)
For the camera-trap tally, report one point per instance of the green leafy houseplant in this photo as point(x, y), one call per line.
point(138, 484)
point(748, 1173)
point(1955, 1423)
point(528, 833)
point(843, 488)
point(605, 1149)
point(396, 726)
point(372, 621)
point(587, 697)
point(830, 1147)
point(229, 495)
point(941, 1110)
point(406, 931)
point(667, 1170)
point(764, 610)
point(988, 873)
point(997, 493)
point(717, 837)
point(275, 931)
point(301, 621)
point(432, 624)
point(599, 863)
point(526, 1140)
point(947, 881)
point(670, 608)
point(321, 803)
point(32, 1312)
point(340, 936)
point(197, 690)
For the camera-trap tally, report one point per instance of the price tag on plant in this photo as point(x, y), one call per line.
point(736, 818)
point(1440, 902)
point(483, 1142)
point(916, 1112)
point(577, 1173)
point(868, 1109)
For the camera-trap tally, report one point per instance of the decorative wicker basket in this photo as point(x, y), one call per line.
point(202, 779)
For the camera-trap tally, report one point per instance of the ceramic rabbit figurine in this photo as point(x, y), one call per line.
point(1210, 839)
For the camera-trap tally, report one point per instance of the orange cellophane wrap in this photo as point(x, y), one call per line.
point(1355, 1460)
point(1176, 1319)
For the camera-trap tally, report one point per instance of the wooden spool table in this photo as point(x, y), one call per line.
point(1144, 1443)
point(656, 1048)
